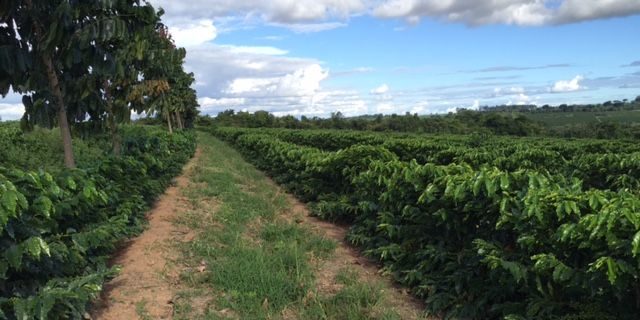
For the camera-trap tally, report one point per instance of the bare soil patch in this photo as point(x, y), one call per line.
point(147, 284)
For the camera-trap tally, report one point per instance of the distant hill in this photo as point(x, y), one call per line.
point(558, 119)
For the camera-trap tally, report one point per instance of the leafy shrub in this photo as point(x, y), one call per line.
point(58, 229)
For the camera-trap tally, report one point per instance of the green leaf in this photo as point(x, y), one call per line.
point(478, 183)
point(72, 184)
point(612, 271)
point(504, 182)
point(491, 187)
point(503, 205)
point(36, 247)
point(14, 256)
point(21, 309)
point(43, 205)
point(635, 244)
point(574, 207)
point(593, 201)
point(87, 192)
point(9, 201)
point(46, 304)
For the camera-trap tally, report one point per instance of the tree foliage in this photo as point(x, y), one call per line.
point(77, 62)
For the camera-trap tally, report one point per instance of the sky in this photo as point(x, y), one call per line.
point(315, 57)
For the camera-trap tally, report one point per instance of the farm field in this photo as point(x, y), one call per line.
point(495, 228)
point(319, 160)
point(226, 242)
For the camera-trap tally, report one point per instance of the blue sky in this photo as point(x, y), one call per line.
point(314, 57)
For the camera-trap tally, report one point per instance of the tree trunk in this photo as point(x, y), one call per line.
point(54, 86)
point(169, 122)
point(179, 120)
point(63, 122)
point(112, 122)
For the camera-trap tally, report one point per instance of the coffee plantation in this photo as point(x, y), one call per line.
point(493, 228)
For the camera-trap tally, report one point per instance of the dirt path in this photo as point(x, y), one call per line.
point(145, 287)
point(149, 285)
point(346, 257)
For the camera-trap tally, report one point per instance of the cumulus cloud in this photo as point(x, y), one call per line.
point(279, 11)
point(310, 27)
point(420, 108)
point(499, 91)
point(568, 85)
point(515, 12)
point(302, 82)
point(471, 12)
point(255, 78)
point(193, 34)
point(521, 99)
point(269, 51)
point(208, 105)
point(11, 111)
point(383, 89)
point(582, 10)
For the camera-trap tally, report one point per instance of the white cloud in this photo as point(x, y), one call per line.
point(11, 111)
point(420, 108)
point(520, 99)
point(515, 12)
point(521, 12)
point(476, 105)
point(519, 90)
point(211, 102)
point(381, 90)
point(270, 51)
point(582, 10)
point(310, 27)
point(386, 108)
point(217, 66)
point(568, 85)
point(193, 34)
point(281, 11)
point(302, 82)
point(252, 80)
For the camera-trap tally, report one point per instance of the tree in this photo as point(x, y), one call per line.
point(31, 35)
point(64, 49)
point(167, 91)
point(119, 76)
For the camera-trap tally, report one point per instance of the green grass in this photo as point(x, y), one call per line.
point(356, 301)
point(256, 273)
point(141, 310)
point(257, 264)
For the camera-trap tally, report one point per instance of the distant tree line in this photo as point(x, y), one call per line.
point(498, 120)
point(616, 105)
point(463, 122)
